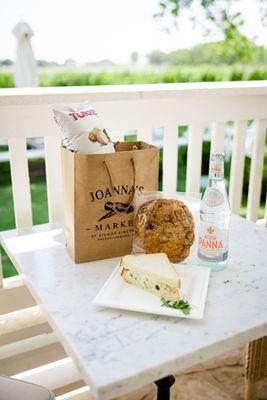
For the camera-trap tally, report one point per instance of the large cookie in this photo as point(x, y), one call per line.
point(165, 226)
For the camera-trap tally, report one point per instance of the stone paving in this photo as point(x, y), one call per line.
point(220, 378)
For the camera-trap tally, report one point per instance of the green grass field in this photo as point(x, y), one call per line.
point(149, 74)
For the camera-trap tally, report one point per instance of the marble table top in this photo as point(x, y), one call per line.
point(118, 351)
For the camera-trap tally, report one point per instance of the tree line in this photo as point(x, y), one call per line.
point(216, 53)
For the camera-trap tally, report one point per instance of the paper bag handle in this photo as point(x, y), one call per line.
point(111, 182)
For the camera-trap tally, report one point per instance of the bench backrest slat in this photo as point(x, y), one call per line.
point(194, 158)
point(20, 182)
point(237, 166)
point(256, 169)
point(53, 178)
point(170, 157)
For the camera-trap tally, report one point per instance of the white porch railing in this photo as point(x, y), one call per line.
point(27, 113)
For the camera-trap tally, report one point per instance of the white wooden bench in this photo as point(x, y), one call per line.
point(29, 348)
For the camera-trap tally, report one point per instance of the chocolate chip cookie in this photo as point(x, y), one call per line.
point(165, 226)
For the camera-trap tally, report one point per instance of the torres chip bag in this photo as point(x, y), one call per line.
point(82, 130)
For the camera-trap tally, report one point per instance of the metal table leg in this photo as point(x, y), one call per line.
point(164, 386)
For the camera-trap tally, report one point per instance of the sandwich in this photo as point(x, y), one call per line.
point(153, 273)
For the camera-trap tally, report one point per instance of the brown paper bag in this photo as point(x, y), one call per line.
point(98, 198)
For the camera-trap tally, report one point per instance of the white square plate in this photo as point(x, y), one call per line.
point(116, 293)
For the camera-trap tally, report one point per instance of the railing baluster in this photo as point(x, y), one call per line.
point(217, 139)
point(20, 182)
point(237, 166)
point(53, 178)
point(170, 157)
point(256, 169)
point(194, 158)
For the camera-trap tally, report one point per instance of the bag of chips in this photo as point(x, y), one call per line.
point(82, 130)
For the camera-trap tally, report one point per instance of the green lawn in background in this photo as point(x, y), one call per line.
point(150, 74)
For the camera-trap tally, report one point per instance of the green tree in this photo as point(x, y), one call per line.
point(214, 53)
point(157, 57)
point(6, 62)
point(219, 17)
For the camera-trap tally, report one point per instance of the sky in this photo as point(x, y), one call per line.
point(92, 30)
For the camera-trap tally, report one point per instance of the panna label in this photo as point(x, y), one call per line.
point(213, 197)
point(213, 242)
point(216, 166)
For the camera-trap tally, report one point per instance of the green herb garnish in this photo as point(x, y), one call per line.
point(182, 305)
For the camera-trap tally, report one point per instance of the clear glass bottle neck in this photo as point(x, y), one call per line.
point(216, 167)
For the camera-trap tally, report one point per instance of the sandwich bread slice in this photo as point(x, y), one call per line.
point(153, 273)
